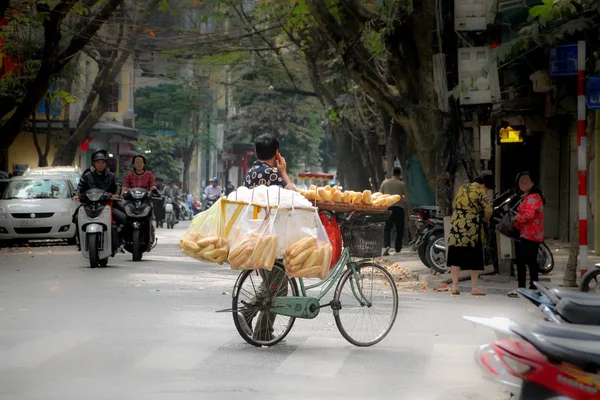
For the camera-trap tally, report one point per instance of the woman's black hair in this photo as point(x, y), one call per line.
point(534, 189)
point(139, 156)
point(487, 180)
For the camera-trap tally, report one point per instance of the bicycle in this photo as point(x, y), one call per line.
point(276, 312)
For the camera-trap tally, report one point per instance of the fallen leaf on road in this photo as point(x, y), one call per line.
point(225, 293)
point(134, 285)
point(54, 289)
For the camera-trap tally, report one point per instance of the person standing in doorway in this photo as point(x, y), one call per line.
point(530, 223)
point(395, 186)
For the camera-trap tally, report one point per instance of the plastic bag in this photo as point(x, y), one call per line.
point(254, 247)
point(205, 238)
point(335, 236)
point(309, 254)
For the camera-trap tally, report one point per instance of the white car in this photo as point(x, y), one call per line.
point(38, 207)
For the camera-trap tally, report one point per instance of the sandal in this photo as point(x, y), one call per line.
point(513, 295)
point(455, 291)
point(477, 292)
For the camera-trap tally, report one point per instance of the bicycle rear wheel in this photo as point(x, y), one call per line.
point(369, 301)
point(253, 297)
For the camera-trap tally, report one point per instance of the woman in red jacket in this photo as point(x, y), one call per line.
point(530, 223)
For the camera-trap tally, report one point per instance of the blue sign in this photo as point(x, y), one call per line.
point(592, 93)
point(563, 60)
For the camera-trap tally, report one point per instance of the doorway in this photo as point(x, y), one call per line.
point(517, 157)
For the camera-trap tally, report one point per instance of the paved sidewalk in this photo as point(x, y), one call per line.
point(412, 274)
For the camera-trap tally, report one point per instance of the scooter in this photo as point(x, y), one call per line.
point(543, 361)
point(139, 232)
point(430, 228)
point(562, 306)
point(589, 281)
point(169, 213)
point(98, 235)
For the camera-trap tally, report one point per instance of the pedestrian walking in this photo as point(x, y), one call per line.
point(472, 209)
point(395, 186)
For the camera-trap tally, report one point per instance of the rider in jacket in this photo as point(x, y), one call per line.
point(100, 177)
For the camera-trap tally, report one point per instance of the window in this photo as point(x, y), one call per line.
point(38, 189)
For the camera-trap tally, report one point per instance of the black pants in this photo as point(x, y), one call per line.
point(526, 252)
point(397, 218)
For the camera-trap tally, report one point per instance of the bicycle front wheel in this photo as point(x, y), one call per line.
point(369, 301)
point(253, 297)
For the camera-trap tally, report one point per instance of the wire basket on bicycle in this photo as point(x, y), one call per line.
point(363, 234)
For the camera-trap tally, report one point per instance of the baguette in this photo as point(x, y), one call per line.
point(301, 257)
point(347, 197)
point(303, 245)
point(190, 246)
point(392, 200)
point(207, 241)
point(338, 197)
point(326, 260)
point(357, 198)
point(310, 261)
point(324, 194)
point(366, 197)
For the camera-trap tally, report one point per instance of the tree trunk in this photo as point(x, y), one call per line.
point(570, 273)
point(97, 102)
point(350, 172)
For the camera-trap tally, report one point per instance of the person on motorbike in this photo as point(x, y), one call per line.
point(212, 192)
point(173, 192)
point(139, 177)
point(100, 177)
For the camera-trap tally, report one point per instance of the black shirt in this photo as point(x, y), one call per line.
point(93, 180)
point(262, 173)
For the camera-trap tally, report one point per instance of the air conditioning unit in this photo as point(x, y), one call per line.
point(478, 76)
point(473, 15)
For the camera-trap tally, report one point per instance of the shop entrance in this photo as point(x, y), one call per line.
point(517, 157)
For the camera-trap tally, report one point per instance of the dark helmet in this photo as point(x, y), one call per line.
point(140, 156)
point(100, 155)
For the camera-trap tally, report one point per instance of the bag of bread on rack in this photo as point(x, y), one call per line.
point(254, 242)
point(205, 239)
point(308, 254)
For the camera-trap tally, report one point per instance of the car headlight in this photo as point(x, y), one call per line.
point(3, 213)
point(64, 211)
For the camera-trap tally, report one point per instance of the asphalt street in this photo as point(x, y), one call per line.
point(148, 330)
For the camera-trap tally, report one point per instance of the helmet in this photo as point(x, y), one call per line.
point(100, 155)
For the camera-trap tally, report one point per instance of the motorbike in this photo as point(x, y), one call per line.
point(562, 306)
point(541, 361)
point(589, 281)
point(209, 201)
point(169, 213)
point(429, 238)
point(184, 212)
point(98, 235)
point(139, 232)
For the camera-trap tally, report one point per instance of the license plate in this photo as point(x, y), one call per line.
point(30, 222)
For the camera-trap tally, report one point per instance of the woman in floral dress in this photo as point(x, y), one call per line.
point(530, 223)
point(471, 210)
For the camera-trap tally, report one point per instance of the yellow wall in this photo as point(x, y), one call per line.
point(22, 151)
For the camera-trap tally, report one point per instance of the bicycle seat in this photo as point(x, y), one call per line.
point(574, 344)
point(562, 293)
point(578, 311)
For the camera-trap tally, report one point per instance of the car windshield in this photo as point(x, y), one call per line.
point(37, 189)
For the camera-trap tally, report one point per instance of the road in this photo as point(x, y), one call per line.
point(149, 330)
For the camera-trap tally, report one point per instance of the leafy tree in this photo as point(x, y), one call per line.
point(61, 44)
point(160, 153)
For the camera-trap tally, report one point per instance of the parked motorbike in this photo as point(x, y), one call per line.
point(562, 306)
point(98, 234)
point(139, 232)
point(542, 361)
point(430, 233)
point(184, 212)
point(589, 281)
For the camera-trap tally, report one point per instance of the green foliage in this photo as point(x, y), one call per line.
point(160, 153)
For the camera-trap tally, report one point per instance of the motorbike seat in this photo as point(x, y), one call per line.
point(579, 311)
point(574, 344)
point(562, 293)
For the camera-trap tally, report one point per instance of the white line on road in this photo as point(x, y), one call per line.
point(317, 357)
point(35, 352)
point(185, 352)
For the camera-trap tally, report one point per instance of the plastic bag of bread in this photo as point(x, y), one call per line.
point(254, 247)
point(205, 238)
point(309, 253)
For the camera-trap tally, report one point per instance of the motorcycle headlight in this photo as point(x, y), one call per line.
point(94, 194)
point(137, 193)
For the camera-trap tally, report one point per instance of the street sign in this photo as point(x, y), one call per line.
point(563, 60)
point(593, 93)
